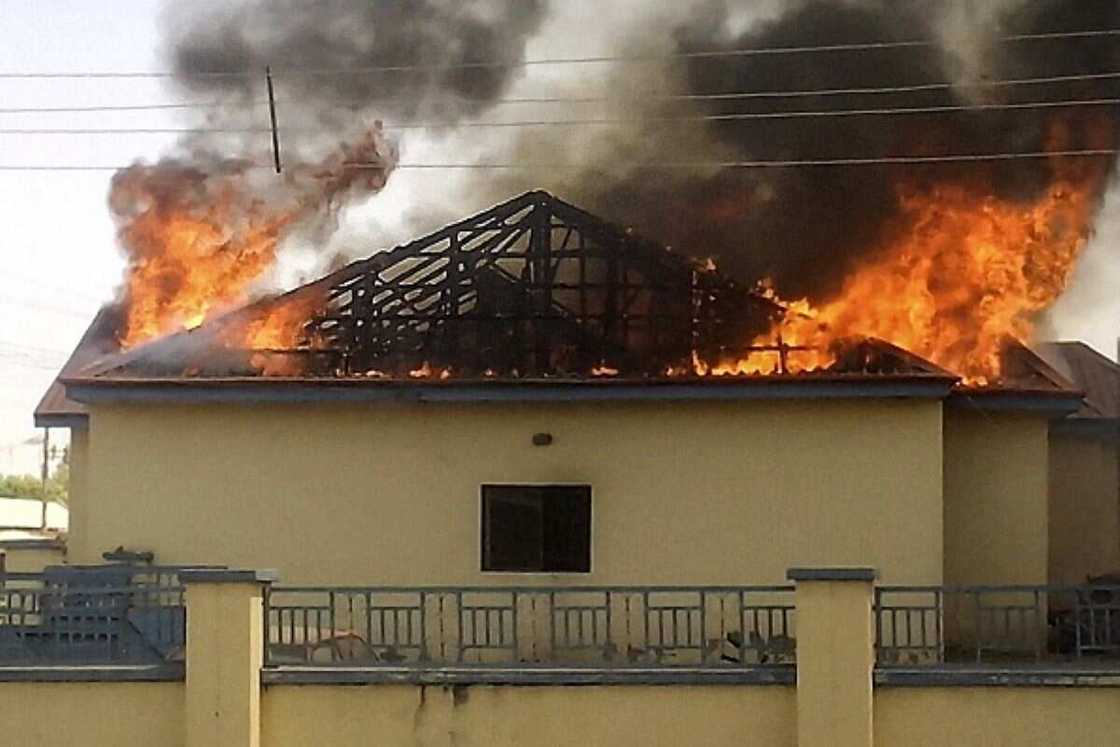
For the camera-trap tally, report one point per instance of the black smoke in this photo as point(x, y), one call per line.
point(807, 227)
point(329, 55)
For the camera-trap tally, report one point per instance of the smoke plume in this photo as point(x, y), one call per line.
point(807, 228)
point(330, 56)
point(201, 228)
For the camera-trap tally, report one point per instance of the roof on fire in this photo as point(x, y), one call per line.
point(198, 365)
point(1097, 376)
point(55, 409)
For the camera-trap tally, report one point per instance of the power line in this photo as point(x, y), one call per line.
point(30, 349)
point(44, 307)
point(729, 96)
point(654, 165)
point(502, 64)
point(27, 364)
point(120, 107)
point(744, 116)
point(53, 287)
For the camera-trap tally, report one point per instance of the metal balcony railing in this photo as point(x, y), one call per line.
point(84, 616)
point(929, 625)
point(433, 627)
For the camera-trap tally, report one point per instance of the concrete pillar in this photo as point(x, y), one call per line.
point(835, 656)
point(225, 652)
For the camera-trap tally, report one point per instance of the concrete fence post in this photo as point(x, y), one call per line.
point(225, 652)
point(835, 656)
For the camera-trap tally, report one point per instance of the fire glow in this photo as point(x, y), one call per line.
point(198, 241)
point(961, 276)
point(957, 272)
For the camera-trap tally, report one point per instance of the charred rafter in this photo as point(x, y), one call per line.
point(534, 286)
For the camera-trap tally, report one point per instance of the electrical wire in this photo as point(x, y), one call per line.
point(670, 165)
point(504, 64)
point(730, 96)
point(21, 303)
point(743, 116)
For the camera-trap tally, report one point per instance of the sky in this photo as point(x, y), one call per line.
point(58, 255)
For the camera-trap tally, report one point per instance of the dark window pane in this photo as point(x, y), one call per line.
point(511, 531)
point(536, 528)
point(567, 530)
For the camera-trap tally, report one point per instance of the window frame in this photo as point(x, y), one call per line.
point(479, 547)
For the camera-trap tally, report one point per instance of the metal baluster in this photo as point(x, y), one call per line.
point(979, 626)
point(925, 633)
point(267, 625)
point(513, 623)
point(894, 631)
point(608, 633)
point(647, 621)
point(369, 621)
point(1036, 628)
point(533, 653)
point(878, 611)
point(553, 623)
point(442, 633)
point(459, 622)
point(422, 642)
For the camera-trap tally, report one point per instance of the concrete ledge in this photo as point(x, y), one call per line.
point(33, 543)
point(227, 576)
point(331, 675)
point(832, 574)
point(163, 672)
point(996, 677)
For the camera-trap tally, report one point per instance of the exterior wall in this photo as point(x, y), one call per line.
point(31, 557)
point(682, 492)
point(95, 714)
point(294, 716)
point(79, 499)
point(996, 716)
point(996, 497)
point(1084, 507)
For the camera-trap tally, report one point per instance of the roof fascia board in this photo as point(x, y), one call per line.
point(76, 421)
point(300, 392)
point(1052, 404)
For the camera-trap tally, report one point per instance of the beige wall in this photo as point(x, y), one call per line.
point(478, 716)
point(80, 471)
point(995, 498)
point(1084, 507)
point(683, 492)
point(97, 714)
point(997, 717)
point(25, 559)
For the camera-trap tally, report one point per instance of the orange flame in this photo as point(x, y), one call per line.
point(198, 241)
point(961, 276)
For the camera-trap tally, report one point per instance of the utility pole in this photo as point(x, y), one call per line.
point(46, 474)
point(272, 115)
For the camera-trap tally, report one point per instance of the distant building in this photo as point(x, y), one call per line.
point(25, 543)
point(1085, 468)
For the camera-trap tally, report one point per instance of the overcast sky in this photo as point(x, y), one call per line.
point(57, 246)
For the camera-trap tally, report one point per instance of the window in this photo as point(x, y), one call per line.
point(536, 528)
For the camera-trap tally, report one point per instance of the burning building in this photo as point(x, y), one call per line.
point(826, 356)
point(538, 347)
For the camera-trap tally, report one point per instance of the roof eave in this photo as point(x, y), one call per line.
point(1090, 427)
point(1051, 403)
point(294, 391)
point(73, 420)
